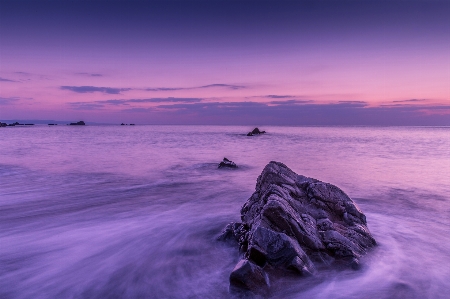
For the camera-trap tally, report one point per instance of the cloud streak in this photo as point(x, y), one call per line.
point(90, 74)
point(117, 90)
point(229, 86)
point(91, 89)
point(8, 101)
point(217, 85)
point(7, 80)
point(127, 102)
point(409, 101)
point(290, 102)
point(274, 96)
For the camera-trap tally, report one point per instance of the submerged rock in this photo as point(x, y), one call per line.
point(255, 131)
point(293, 223)
point(227, 164)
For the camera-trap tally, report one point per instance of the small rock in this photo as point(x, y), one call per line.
point(80, 123)
point(255, 131)
point(227, 164)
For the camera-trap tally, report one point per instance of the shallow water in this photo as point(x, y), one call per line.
point(133, 212)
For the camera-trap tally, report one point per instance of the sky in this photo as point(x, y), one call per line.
point(226, 62)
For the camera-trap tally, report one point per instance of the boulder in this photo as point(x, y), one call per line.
point(227, 164)
point(293, 224)
point(255, 131)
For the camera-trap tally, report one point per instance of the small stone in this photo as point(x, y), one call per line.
point(227, 164)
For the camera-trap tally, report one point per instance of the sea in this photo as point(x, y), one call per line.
point(134, 211)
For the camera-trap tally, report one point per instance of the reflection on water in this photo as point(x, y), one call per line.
point(112, 212)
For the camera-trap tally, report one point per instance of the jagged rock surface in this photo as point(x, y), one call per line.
point(292, 223)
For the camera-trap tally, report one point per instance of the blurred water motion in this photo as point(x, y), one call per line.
point(114, 212)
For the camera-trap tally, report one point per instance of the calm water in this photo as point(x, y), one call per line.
point(133, 212)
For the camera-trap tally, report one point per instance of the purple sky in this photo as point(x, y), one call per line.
point(226, 62)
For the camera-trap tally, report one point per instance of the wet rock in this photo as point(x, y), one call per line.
point(227, 164)
point(255, 131)
point(250, 276)
point(292, 223)
point(230, 232)
point(3, 124)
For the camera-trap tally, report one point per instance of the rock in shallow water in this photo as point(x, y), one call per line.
point(255, 131)
point(292, 222)
point(227, 164)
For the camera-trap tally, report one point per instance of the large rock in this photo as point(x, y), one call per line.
point(294, 223)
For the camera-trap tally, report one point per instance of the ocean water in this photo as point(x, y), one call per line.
point(134, 211)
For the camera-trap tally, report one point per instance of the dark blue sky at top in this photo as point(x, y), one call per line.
point(221, 23)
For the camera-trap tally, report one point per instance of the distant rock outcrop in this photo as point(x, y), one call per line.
point(293, 223)
point(227, 164)
point(14, 124)
point(255, 131)
point(80, 123)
